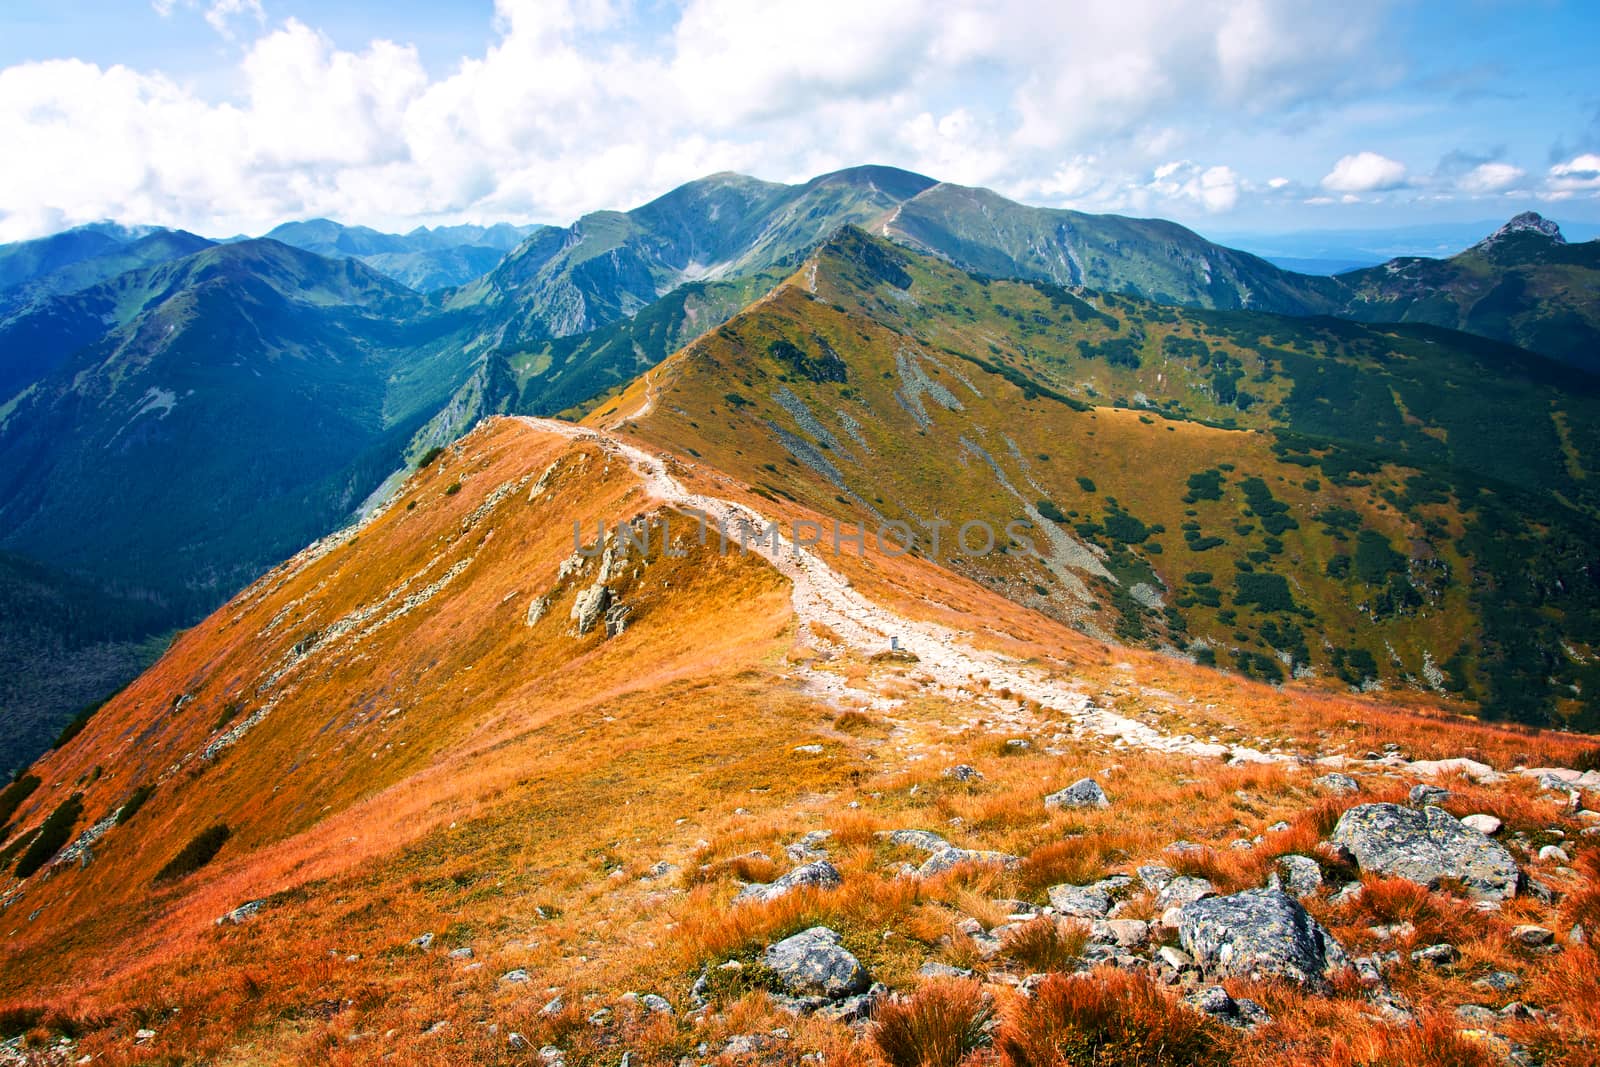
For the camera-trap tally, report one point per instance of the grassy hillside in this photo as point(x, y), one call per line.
point(1399, 507)
point(372, 744)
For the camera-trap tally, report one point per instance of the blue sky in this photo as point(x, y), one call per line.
point(228, 116)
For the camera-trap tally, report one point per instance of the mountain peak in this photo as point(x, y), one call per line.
point(1527, 222)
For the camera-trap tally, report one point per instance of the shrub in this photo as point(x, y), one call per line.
point(938, 1026)
point(52, 835)
point(1048, 509)
point(1041, 945)
point(201, 850)
point(1108, 1019)
point(135, 801)
point(12, 796)
point(1086, 484)
point(430, 455)
point(452, 489)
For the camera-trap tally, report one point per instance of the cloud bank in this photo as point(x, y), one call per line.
point(570, 108)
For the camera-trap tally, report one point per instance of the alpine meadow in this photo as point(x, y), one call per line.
point(583, 532)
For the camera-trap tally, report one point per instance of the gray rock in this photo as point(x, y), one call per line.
point(243, 913)
point(1300, 876)
point(1476, 1015)
point(462, 953)
point(1341, 784)
point(423, 941)
point(617, 616)
point(1423, 795)
point(1260, 933)
point(1185, 889)
point(856, 1009)
point(1426, 847)
point(921, 840)
point(812, 963)
point(1554, 854)
point(1440, 955)
point(819, 874)
point(589, 607)
point(935, 969)
point(1532, 936)
point(1080, 901)
point(516, 976)
point(1084, 793)
point(1487, 825)
point(656, 1004)
point(964, 772)
point(1498, 982)
point(1156, 875)
point(951, 858)
point(1125, 933)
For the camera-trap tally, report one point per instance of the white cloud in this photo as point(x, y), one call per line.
point(1491, 178)
point(1580, 174)
point(1215, 189)
point(1365, 172)
point(570, 108)
point(219, 14)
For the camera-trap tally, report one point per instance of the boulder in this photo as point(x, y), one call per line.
point(1182, 890)
point(812, 963)
point(819, 874)
point(1299, 876)
point(1080, 901)
point(243, 913)
point(1337, 783)
point(1487, 825)
point(1422, 795)
point(950, 858)
point(589, 607)
point(1084, 793)
point(1426, 847)
point(1260, 933)
point(922, 840)
point(1532, 936)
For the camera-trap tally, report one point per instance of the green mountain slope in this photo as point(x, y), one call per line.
point(1405, 506)
point(235, 410)
point(1161, 260)
point(1523, 284)
point(71, 261)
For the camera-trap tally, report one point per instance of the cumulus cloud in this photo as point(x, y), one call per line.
point(1579, 174)
point(1365, 172)
point(1491, 178)
point(570, 107)
point(1215, 189)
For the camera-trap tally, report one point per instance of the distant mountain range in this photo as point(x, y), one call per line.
point(177, 414)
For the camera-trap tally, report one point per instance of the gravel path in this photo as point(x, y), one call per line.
point(823, 595)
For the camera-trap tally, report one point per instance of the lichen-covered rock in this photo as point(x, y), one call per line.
point(1299, 876)
point(589, 607)
point(1080, 901)
point(819, 874)
point(1185, 889)
point(1338, 783)
point(950, 858)
point(923, 840)
point(813, 963)
point(1260, 933)
point(1084, 793)
point(1426, 847)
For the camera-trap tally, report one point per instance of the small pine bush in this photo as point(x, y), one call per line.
point(201, 850)
point(52, 835)
point(135, 801)
point(12, 796)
